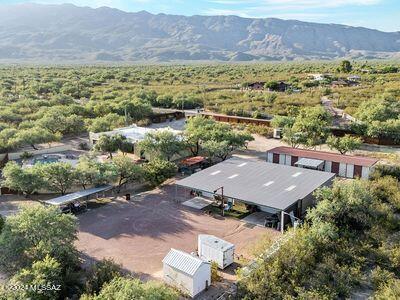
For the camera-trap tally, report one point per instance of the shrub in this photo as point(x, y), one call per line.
point(128, 288)
point(158, 170)
point(390, 290)
point(100, 273)
point(215, 277)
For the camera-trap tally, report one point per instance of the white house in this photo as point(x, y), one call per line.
point(211, 248)
point(186, 272)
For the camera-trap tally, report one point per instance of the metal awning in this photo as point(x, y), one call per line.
point(257, 182)
point(77, 195)
point(310, 163)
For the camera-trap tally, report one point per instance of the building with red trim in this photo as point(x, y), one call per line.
point(343, 165)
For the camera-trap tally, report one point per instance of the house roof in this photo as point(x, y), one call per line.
point(134, 133)
point(258, 182)
point(215, 242)
point(190, 161)
point(77, 195)
point(183, 261)
point(322, 155)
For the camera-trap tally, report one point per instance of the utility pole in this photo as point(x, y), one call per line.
point(222, 198)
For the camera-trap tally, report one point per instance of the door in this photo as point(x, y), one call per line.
point(335, 167)
point(357, 171)
point(275, 159)
point(294, 160)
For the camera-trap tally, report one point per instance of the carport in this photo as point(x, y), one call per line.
point(66, 200)
point(276, 189)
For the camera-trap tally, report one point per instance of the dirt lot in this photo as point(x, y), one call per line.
point(138, 234)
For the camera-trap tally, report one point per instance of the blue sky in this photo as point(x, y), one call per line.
point(378, 14)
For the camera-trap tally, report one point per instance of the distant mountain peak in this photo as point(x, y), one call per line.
point(66, 32)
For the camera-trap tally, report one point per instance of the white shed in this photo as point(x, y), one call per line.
point(211, 248)
point(186, 272)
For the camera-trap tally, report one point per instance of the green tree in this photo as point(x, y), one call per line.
point(106, 123)
point(88, 172)
point(344, 144)
point(126, 170)
point(282, 121)
point(158, 170)
point(162, 144)
point(57, 177)
point(197, 130)
point(133, 109)
point(26, 180)
point(45, 274)
point(100, 273)
point(272, 85)
point(127, 288)
point(310, 127)
point(34, 233)
point(113, 143)
point(345, 66)
point(213, 138)
point(32, 136)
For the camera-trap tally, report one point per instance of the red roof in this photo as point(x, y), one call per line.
point(322, 155)
point(192, 160)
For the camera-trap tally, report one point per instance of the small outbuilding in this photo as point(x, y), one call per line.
point(212, 248)
point(186, 272)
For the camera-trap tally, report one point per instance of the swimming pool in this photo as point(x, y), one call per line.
point(46, 160)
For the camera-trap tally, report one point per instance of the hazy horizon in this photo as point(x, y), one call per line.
point(383, 15)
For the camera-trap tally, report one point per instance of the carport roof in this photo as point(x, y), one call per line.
point(258, 182)
point(62, 200)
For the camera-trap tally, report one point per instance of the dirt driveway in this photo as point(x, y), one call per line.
point(138, 234)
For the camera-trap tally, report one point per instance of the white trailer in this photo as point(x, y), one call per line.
point(211, 248)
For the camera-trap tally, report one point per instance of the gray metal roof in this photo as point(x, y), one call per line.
point(76, 196)
point(215, 242)
point(309, 162)
point(183, 261)
point(258, 182)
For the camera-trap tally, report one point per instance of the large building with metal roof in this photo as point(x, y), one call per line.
point(273, 188)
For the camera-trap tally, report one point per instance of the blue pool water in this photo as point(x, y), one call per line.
point(44, 160)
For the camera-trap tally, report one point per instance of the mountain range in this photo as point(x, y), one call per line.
point(60, 33)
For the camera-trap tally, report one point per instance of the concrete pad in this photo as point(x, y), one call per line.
point(138, 234)
point(198, 202)
point(257, 218)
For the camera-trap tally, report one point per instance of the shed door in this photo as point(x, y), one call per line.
point(294, 160)
point(357, 171)
point(275, 159)
point(335, 167)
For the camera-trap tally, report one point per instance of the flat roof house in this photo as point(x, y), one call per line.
point(133, 133)
point(273, 188)
point(342, 165)
point(186, 272)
